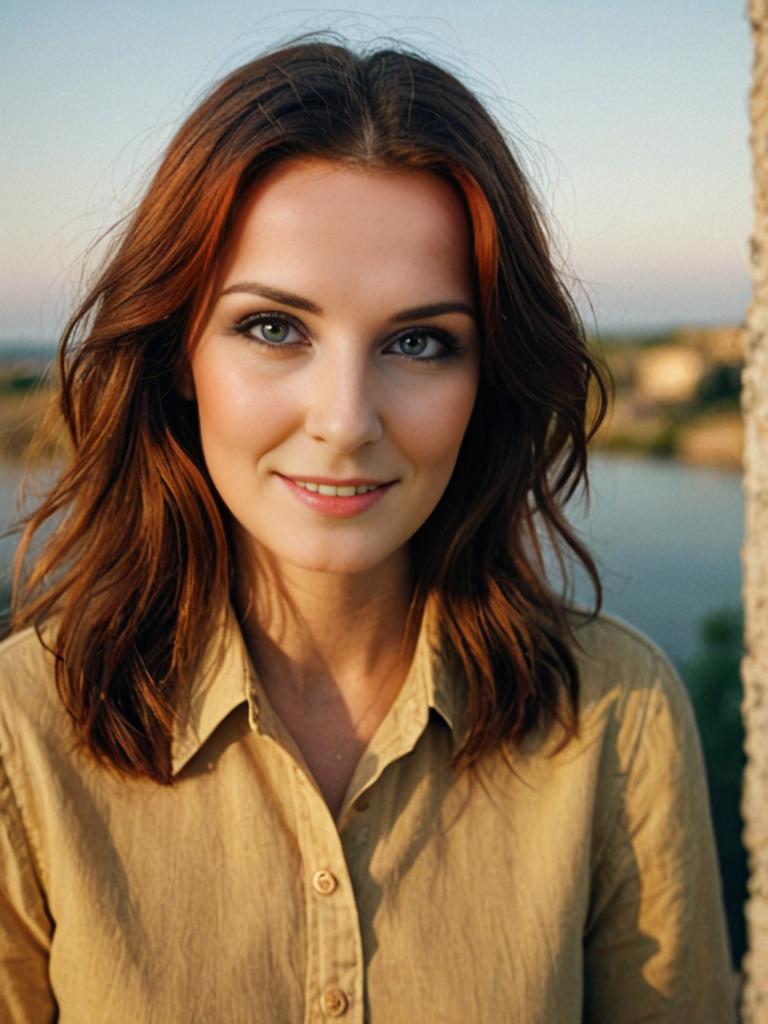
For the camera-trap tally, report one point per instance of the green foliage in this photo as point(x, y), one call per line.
point(626, 340)
point(720, 388)
point(625, 442)
point(658, 338)
point(665, 443)
point(20, 383)
point(714, 682)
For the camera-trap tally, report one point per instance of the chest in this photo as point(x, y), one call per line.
point(236, 896)
point(332, 760)
point(331, 743)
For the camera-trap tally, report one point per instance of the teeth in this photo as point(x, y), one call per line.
point(335, 492)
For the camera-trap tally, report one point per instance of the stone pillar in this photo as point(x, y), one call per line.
point(755, 553)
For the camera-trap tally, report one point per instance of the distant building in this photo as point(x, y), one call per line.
point(720, 344)
point(669, 373)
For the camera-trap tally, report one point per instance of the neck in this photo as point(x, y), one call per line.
point(325, 636)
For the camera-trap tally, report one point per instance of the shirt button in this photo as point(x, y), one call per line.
point(363, 836)
point(334, 1002)
point(362, 803)
point(324, 883)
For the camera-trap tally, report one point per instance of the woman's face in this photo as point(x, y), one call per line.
point(337, 372)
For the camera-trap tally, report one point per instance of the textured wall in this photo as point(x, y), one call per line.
point(755, 672)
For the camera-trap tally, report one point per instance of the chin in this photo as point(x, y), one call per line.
point(341, 558)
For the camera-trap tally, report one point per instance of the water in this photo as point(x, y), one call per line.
point(666, 537)
point(11, 508)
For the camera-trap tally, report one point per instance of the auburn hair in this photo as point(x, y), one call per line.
point(139, 550)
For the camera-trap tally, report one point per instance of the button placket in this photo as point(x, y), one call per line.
point(335, 969)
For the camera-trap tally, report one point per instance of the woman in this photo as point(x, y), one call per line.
point(292, 725)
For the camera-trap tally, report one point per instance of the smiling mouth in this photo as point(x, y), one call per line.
point(343, 498)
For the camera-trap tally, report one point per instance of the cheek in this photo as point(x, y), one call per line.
point(435, 424)
point(236, 409)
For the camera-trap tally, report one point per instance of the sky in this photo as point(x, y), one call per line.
point(631, 121)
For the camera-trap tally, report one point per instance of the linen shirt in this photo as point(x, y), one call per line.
point(550, 887)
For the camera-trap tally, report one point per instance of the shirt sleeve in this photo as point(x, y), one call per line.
point(25, 926)
point(655, 945)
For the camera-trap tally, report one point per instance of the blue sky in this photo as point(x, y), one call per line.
point(632, 121)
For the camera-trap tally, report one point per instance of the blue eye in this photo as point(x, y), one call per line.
point(268, 329)
point(414, 344)
point(274, 330)
point(424, 345)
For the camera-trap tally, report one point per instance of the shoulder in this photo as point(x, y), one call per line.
point(615, 658)
point(26, 660)
point(606, 644)
point(631, 696)
point(29, 701)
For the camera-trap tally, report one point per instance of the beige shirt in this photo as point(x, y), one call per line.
point(553, 889)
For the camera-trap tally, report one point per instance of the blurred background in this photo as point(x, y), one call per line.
point(632, 122)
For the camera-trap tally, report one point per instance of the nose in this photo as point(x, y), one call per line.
point(342, 405)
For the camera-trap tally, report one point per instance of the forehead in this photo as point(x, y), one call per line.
point(315, 222)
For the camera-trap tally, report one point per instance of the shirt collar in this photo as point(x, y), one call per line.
point(220, 683)
point(441, 688)
point(226, 678)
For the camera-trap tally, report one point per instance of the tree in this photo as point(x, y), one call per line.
point(712, 677)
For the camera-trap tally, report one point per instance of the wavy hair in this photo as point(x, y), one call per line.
point(126, 576)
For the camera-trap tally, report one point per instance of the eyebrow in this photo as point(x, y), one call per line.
point(297, 302)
